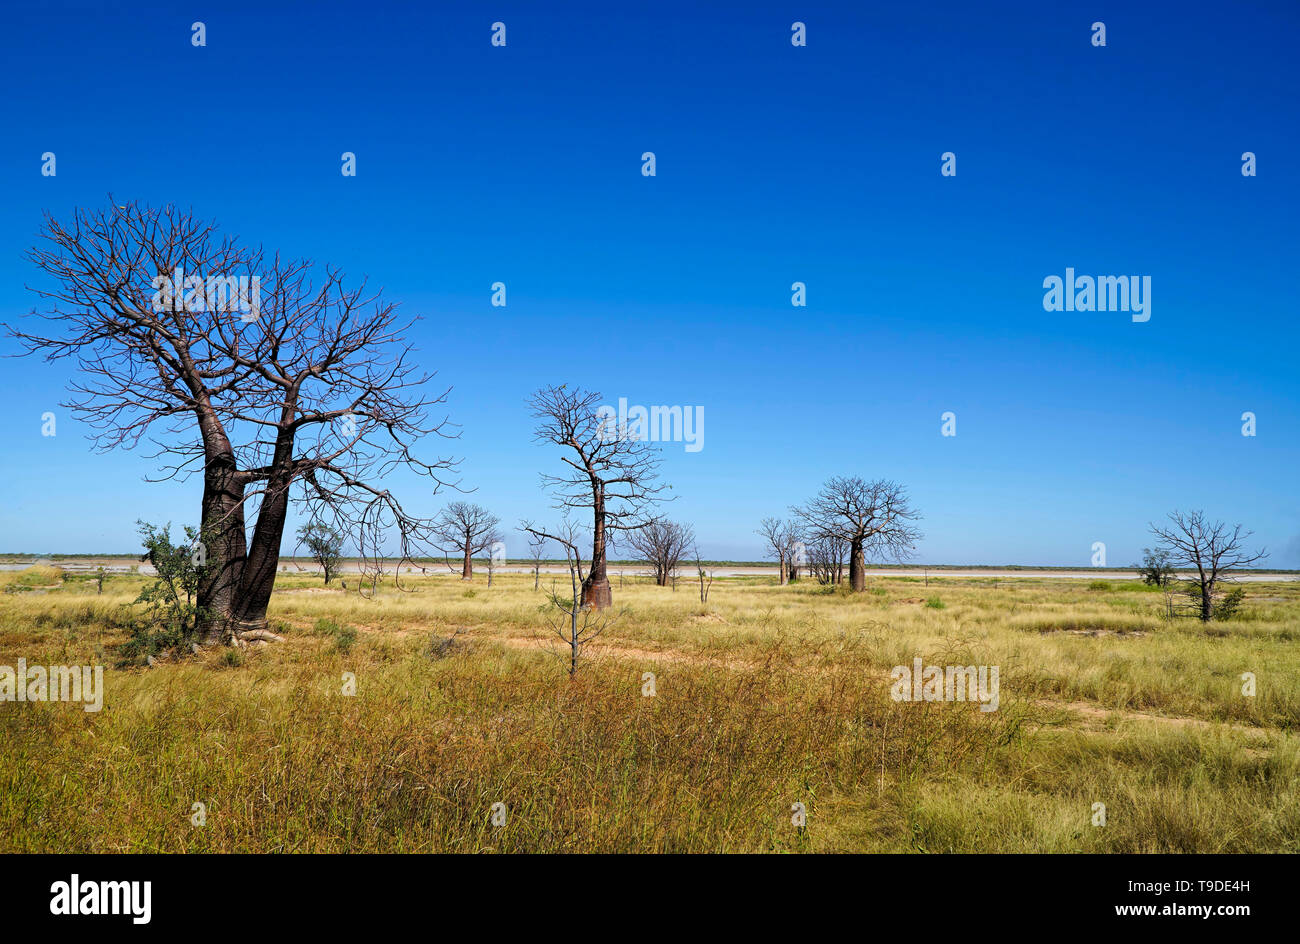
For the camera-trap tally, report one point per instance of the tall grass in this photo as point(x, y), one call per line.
point(764, 697)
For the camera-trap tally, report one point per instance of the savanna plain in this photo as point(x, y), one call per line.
point(764, 697)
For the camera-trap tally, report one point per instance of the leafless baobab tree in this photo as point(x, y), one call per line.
point(782, 539)
point(1212, 549)
point(611, 475)
point(310, 387)
point(826, 558)
point(662, 544)
point(467, 528)
point(872, 517)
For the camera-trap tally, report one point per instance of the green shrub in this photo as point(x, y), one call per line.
point(170, 618)
point(1230, 605)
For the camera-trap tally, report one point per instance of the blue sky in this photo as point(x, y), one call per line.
point(775, 164)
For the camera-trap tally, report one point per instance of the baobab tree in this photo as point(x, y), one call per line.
point(783, 542)
point(1212, 549)
point(826, 557)
point(309, 388)
point(662, 544)
point(873, 518)
point(612, 475)
point(469, 529)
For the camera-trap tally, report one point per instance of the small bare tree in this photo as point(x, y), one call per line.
point(706, 577)
point(782, 539)
point(1212, 549)
point(536, 551)
point(612, 475)
point(468, 529)
point(662, 544)
point(575, 623)
point(872, 517)
point(494, 543)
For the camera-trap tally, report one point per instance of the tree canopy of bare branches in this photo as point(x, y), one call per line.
point(611, 475)
point(311, 388)
point(662, 544)
point(874, 518)
point(1212, 549)
point(467, 528)
point(826, 557)
point(783, 541)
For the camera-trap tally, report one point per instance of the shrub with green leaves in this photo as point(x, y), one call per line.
point(325, 546)
point(170, 617)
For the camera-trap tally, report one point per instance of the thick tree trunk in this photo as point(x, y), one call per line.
point(467, 569)
point(258, 580)
point(785, 574)
point(221, 531)
point(857, 568)
point(1207, 601)
point(596, 592)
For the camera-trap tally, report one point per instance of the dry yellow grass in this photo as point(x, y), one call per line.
point(766, 696)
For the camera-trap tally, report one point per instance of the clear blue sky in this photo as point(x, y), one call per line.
point(774, 164)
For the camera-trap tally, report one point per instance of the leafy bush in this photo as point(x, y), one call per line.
point(170, 618)
point(935, 603)
point(1102, 585)
point(325, 546)
point(1229, 606)
point(1225, 607)
point(1155, 569)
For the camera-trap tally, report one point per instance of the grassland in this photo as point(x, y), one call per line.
point(766, 696)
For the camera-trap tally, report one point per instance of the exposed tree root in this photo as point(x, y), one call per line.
point(258, 635)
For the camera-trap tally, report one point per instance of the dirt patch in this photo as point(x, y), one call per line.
point(1134, 633)
point(1101, 716)
point(1094, 631)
